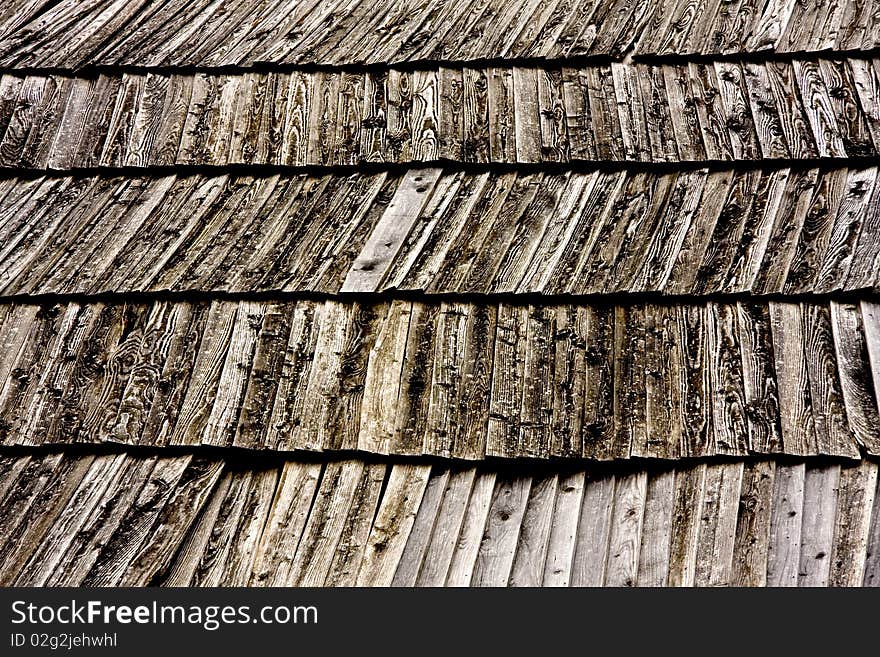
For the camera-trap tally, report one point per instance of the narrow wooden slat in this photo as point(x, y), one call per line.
point(451, 114)
point(865, 263)
point(688, 496)
point(625, 540)
point(536, 409)
point(848, 113)
point(285, 523)
point(820, 111)
point(693, 237)
point(222, 421)
point(569, 380)
point(771, 25)
point(696, 420)
point(866, 79)
point(833, 435)
point(673, 229)
point(534, 535)
point(558, 231)
point(663, 414)
point(852, 212)
point(228, 556)
point(768, 124)
point(444, 533)
point(704, 88)
point(723, 249)
point(717, 529)
point(853, 362)
point(476, 116)
point(259, 396)
point(349, 552)
point(413, 400)
point(469, 432)
point(603, 109)
point(323, 531)
point(786, 518)
point(383, 244)
point(815, 235)
point(425, 119)
point(464, 556)
point(656, 529)
point(786, 229)
point(597, 433)
point(22, 118)
point(37, 340)
point(872, 549)
point(629, 380)
point(817, 532)
point(138, 394)
point(658, 114)
point(726, 380)
point(796, 414)
point(757, 229)
point(739, 120)
point(503, 431)
point(683, 112)
point(594, 527)
point(41, 407)
point(854, 24)
point(578, 114)
point(631, 110)
point(751, 545)
point(792, 112)
point(796, 36)
point(858, 485)
point(392, 525)
point(529, 233)
point(563, 530)
point(196, 406)
point(383, 380)
point(413, 555)
point(871, 325)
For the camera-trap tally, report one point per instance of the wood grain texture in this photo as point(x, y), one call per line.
point(458, 380)
point(126, 518)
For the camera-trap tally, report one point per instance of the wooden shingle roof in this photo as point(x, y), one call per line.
point(449, 292)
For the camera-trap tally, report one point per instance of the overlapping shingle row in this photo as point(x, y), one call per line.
point(133, 520)
point(455, 379)
point(77, 33)
point(737, 231)
point(505, 114)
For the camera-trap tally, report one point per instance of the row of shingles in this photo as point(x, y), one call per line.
point(750, 523)
point(689, 27)
point(121, 519)
point(131, 520)
point(738, 231)
point(780, 231)
point(204, 233)
point(622, 112)
point(72, 34)
point(448, 379)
